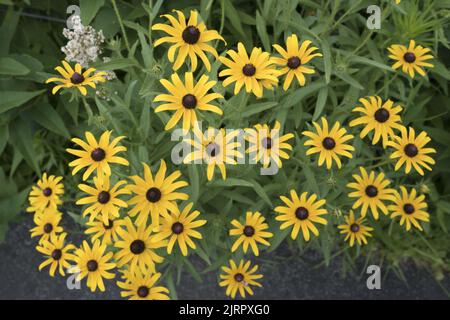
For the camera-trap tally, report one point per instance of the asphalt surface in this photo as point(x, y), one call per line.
point(290, 277)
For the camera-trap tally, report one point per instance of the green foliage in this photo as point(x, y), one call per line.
point(35, 126)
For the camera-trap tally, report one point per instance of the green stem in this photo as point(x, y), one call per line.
point(122, 27)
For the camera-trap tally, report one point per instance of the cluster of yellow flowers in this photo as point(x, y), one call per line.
point(155, 220)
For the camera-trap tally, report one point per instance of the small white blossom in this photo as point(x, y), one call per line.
point(84, 45)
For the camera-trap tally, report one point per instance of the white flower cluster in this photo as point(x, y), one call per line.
point(84, 45)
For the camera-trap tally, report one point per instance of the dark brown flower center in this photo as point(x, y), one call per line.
point(267, 143)
point(212, 149)
point(143, 291)
point(48, 228)
point(249, 231)
point(301, 213)
point(189, 101)
point(92, 265)
point(408, 208)
point(191, 35)
point(76, 78)
point(177, 228)
point(294, 62)
point(409, 57)
point(411, 150)
point(239, 277)
point(249, 70)
point(371, 191)
point(329, 143)
point(103, 197)
point(354, 227)
point(98, 154)
point(56, 254)
point(137, 246)
point(109, 225)
point(382, 115)
point(153, 195)
point(47, 192)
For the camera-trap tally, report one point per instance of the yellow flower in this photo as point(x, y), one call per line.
point(141, 286)
point(136, 247)
point(57, 253)
point(330, 144)
point(255, 72)
point(355, 229)
point(96, 155)
point(301, 213)
point(294, 59)
point(410, 208)
point(239, 278)
point(47, 224)
point(94, 263)
point(251, 233)
point(267, 145)
point(103, 199)
point(106, 233)
point(187, 99)
point(410, 58)
point(155, 196)
point(46, 193)
point(411, 151)
point(216, 148)
point(76, 78)
point(371, 191)
point(398, 1)
point(191, 38)
point(378, 117)
point(179, 227)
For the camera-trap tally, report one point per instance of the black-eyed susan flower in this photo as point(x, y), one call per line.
point(46, 194)
point(76, 78)
point(155, 196)
point(294, 58)
point(330, 144)
point(179, 227)
point(266, 144)
point(255, 72)
point(239, 278)
point(411, 58)
point(301, 213)
point(214, 147)
point(381, 118)
point(371, 190)
point(410, 207)
point(103, 199)
point(141, 286)
point(189, 37)
point(355, 229)
point(105, 232)
point(94, 263)
point(136, 248)
point(47, 224)
point(411, 151)
point(57, 253)
point(97, 155)
point(187, 99)
point(252, 232)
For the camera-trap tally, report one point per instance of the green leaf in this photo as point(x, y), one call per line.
point(320, 103)
point(369, 62)
point(11, 67)
point(89, 9)
point(8, 28)
point(262, 31)
point(22, 140)
point(260, 191)
point(46, 116)
point(13, 99)
point(4, 136)
point(115, 64)
point(194, 182)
